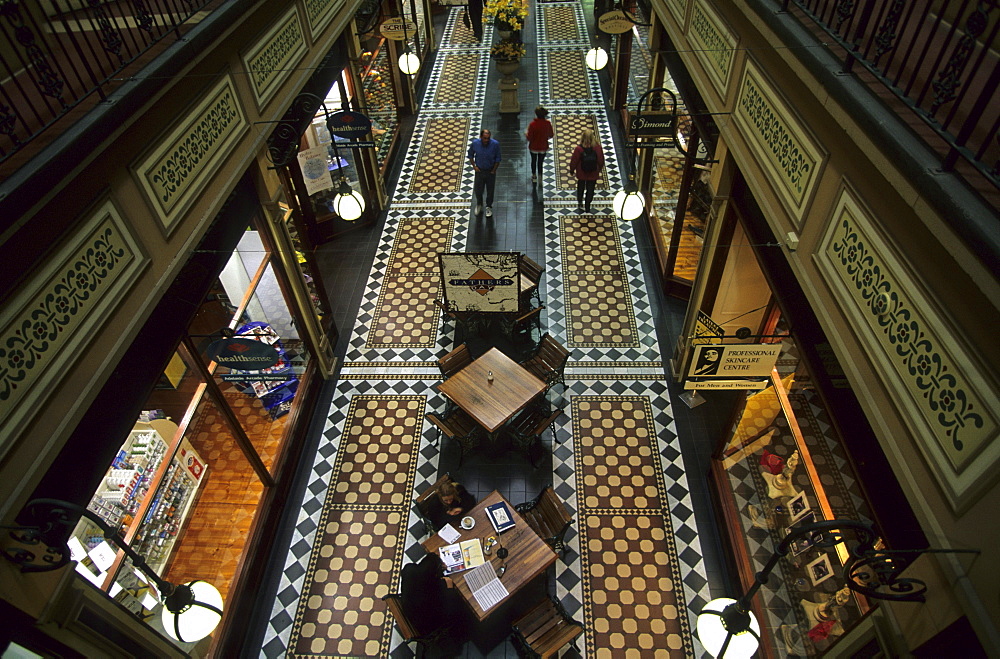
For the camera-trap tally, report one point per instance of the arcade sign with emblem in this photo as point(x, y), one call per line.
point(615, 22)
point(243, 354)
point(481, 281)
point(352, 125)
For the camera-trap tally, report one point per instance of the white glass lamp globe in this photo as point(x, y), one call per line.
point(349, 204)
point(194, 622)
point(628, 205)
point(409, 63)
point(712, 632)
point(597, 58)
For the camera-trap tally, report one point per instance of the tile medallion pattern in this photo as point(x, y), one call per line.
point(459, 78)
point(614, 391)
point(567, 129)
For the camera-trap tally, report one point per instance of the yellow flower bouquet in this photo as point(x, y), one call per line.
point(509, 12)
point(508, 49)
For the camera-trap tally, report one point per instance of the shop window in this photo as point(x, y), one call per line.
point(379, 96)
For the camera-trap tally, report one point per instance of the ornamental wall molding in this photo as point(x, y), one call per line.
point(715, 45)
point(176, 167)
point(271, 59)
point(319, 13)
point(48, 326)
point(945, 398)
point(783, 146)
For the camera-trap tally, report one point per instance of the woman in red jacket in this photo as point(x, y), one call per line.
point(539, 133)
point(586, 163)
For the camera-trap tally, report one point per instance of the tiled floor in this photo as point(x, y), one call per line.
point(642, 554)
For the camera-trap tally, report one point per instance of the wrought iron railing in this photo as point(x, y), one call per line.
point(59, 55)
point(938, 57)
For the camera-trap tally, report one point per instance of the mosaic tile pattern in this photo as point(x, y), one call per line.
point(418, 242)
point(629, 563)
point(567, 129)
point(597, 295)
point(357, 554)
point(560, 23)
point(441, 161)
point(573, 83)
point(459, 78)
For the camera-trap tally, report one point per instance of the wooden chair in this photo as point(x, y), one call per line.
point(517, 324)
point(459, 427)
point(547, 515)
point(527, 428)
point(470, 322)
point(455, 361)
point(531, 276)
point(545, 630)
point(422, 501)
point(407, 630)
point(549, 361)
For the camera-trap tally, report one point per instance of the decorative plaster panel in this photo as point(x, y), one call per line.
point(944, 394)
point(269, 61)
point(174, 170)
point(781, 143)
point(319, 13)
point(714, 44)
point(48, 325)
point(677, 8)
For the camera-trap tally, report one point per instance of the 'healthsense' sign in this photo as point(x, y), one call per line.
point(743, 360)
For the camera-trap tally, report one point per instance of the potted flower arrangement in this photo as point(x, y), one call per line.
point(507, 50)
point(507, 15)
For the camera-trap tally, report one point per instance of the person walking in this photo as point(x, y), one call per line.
point(538, 134)
point(484, 156)
point(586, 163)
point(475, 14)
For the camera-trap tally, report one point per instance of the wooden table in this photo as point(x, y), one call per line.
point(529, 555)
point(491, 404)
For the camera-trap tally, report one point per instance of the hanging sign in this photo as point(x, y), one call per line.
point(349, 124)
point(652, 124)
point(615, 22)
point(398, 28)
point(737, 360)
point(749, 383)
point(243, 354)
point(356, 144)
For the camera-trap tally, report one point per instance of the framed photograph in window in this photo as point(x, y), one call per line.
point(796, 547)
point(798, 507)
point(820, 570)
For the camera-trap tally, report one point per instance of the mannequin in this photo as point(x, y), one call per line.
point(780, 485)
point(825, 611)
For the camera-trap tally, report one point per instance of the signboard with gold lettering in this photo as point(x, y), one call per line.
point(615, 22)
point(737, 360)
point(398, 28)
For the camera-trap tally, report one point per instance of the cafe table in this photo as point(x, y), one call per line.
point(528, 554)
point(492, 402)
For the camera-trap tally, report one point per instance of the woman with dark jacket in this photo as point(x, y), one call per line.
point(448, 506)
point(586, 163)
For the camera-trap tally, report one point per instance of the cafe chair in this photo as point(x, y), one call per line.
point(455, 361)
point(519, 325)
point(531, 276)
point(549, 361)
point(547, 515)
point(407, 630)
point(458, 427)
point(471, 322)
point(422, 502)
point(545, 630)
point(526, 429)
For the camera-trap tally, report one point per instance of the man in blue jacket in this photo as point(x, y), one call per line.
point(484, 155)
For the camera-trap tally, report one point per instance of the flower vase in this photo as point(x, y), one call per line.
point(507, 67)
point(504, 29)
point(508, 85)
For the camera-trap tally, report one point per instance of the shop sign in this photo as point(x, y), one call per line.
point(725, 384)
point(397, 28)
point(652, 124)
point(243, 354)
point(356, 144)
point(738, 360)
point(349, 124)
point(256, 377)
point(615, 22)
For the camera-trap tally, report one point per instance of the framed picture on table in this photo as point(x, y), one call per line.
point(796, 547)
point(820, 570)
point(798, 507)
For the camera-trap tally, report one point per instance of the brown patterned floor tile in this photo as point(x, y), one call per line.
point(442, 156)
point(460, 35)
point(569, 79)
point(560, 23)
point(590, 243)
point(418, 242)
point(459, 77)
point(599, 310)
point(406, 315)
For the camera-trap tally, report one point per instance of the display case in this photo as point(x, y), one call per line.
point(781, 467)
point(146, 480)
point(380, 99)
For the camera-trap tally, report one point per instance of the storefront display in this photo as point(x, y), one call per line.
point(379, 98)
